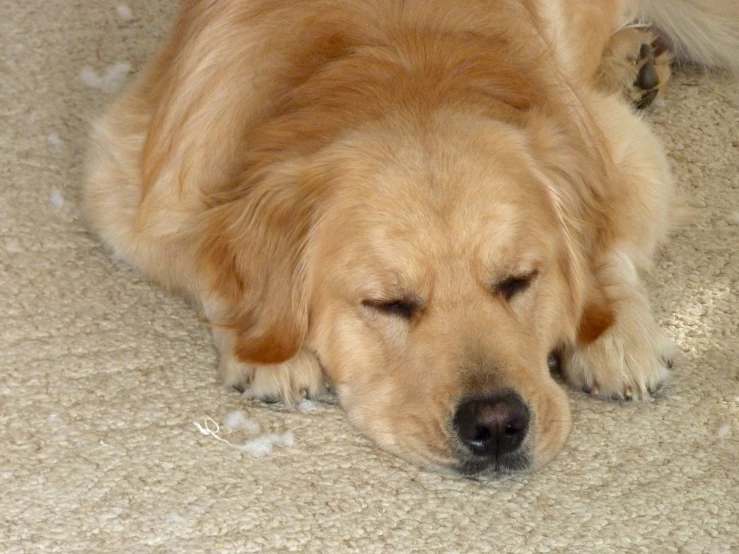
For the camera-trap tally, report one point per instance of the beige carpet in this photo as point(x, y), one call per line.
point(102, 375)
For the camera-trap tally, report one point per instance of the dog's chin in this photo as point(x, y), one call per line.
point(474, 466)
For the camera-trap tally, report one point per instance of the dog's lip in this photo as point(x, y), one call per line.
point(473, 466)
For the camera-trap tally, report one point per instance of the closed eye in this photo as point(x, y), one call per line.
point(405, 309)
point(514, 285)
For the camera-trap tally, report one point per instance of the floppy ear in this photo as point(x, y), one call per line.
point(575, 171)
point(597, 316)
point(592, 310)
point(253, 250)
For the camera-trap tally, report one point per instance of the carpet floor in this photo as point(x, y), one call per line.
point(102, 375)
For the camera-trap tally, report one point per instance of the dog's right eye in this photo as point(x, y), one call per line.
point(513, 286)
point(405, 309)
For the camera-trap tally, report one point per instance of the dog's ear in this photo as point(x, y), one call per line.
point(572, 162)
point(592, 311)
point(253, 248)
point(597, 315)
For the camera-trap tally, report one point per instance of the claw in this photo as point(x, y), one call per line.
point(647, 99)
point(554, 362)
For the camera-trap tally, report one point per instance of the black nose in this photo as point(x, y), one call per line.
point(493, 425)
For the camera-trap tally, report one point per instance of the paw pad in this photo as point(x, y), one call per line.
point(647, 79)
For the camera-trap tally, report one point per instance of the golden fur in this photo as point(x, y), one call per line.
point(417, 200)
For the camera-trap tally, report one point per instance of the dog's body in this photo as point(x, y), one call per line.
point(419, 200)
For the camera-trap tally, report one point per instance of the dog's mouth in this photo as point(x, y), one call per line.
point(475, 466)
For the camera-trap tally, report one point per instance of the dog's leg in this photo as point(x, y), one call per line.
point(621, 351)
point(289, 382)
point(631, 358)
point(636, 63)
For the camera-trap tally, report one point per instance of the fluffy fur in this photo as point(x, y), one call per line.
point(705, 32)
point(418, 201)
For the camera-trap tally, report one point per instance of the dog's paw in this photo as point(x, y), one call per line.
point(653, 72)
point(630, 361)
point(636, 63)
point(290, 382)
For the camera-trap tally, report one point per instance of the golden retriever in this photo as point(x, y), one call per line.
point(420, 202)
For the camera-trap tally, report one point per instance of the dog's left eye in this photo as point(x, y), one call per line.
point(515, 285)
point(400, 308)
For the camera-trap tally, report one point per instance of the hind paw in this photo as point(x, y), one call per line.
point(636, 63)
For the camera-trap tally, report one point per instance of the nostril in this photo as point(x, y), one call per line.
point(482, 434)
point(512, 429)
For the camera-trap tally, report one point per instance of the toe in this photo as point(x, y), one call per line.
point(270, 399)
point(659, 46)
point(647, 78)
point(645, 53)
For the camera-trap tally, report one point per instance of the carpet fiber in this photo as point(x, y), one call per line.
point(102, 374)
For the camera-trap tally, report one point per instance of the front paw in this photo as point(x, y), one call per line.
point(630, 361)
point(289, 382)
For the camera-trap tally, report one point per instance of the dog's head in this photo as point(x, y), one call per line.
point(431, 273)
point(441, 287)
